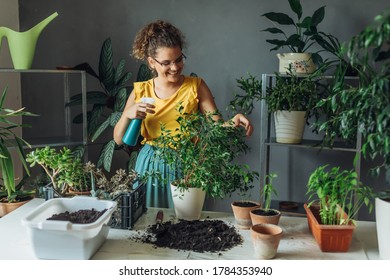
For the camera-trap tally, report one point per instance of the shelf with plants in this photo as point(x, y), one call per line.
point(310, 140)
point(53, 126)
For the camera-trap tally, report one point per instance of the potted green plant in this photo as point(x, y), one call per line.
point(299, 40)
point(265, 214)
point(292, 101)
point(11, 194)
point(335, 197)
point(63, 167)
point(204, 149)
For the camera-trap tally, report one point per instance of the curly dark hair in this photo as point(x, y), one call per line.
point(155, 35)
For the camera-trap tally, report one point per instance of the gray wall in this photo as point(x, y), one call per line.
point(225, 43)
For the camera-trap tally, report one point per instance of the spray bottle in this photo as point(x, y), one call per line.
point(133, 131)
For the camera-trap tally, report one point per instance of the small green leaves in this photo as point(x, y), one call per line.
point(335, 189)
point(205, 150)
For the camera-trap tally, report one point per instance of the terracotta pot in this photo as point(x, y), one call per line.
point(330, 238)
point(265, 239)
point(258, 218)
point(241, 211)
point(6, 207)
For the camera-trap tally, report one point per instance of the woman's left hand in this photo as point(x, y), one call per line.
point(241, 120)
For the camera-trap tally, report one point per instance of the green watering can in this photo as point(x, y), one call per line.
point(22, 44)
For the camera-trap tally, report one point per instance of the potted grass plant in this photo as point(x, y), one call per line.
point(204, 149)
point(12, 194)
point(335, 197)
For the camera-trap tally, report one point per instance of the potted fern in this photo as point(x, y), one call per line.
point(11, 194)
point(204, 150)
point(335, 197)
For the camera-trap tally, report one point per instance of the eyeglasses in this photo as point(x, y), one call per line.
point(165, 64)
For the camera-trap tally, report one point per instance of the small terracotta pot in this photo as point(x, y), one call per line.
point(266, 239)
point(242, 213)
point(258, 218)
point(6, 207)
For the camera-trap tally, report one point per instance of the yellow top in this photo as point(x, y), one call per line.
point(166, 109)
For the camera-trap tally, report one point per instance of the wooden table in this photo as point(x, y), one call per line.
point(297, 242)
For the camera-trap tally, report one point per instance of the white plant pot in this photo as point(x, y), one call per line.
point(189, 203)
point(289, 126)
point(382, 212)
point(301, 63)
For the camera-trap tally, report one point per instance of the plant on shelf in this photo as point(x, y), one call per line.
point(63, 167)
point(300, 39)
point(108, 103)
point(204, 149)
point(10, 191)
point(292, 93)
point(244, 103)
point(292, 99)
point(336, 190)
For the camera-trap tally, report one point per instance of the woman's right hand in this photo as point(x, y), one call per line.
point(139, 110)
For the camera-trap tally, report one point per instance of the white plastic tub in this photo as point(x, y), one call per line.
point(65, 240)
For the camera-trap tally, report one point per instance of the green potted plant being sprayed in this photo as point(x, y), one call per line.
point(335, 197)
point(204, 149)
point(12, 195)
point(291, 100)
point(298, 41)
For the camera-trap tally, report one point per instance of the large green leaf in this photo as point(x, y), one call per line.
point(94, 118)
point(106, 155)
point(93, 97)
point(296, 7)
point(119, 70)
point(106, 66)
point(318, 16)
point(280, 18)
point(144, 73)
point(102, 127)
point(120, 101)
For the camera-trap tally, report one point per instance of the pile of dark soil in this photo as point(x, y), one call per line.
point(198, 236)
point(83, 216)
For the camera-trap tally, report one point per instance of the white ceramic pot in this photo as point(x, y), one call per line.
point(289, 126)
point(189, 203)
point(265, 239)
point(301, 63)
point(382, 212)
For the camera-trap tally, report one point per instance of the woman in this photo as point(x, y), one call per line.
point(161, 45)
